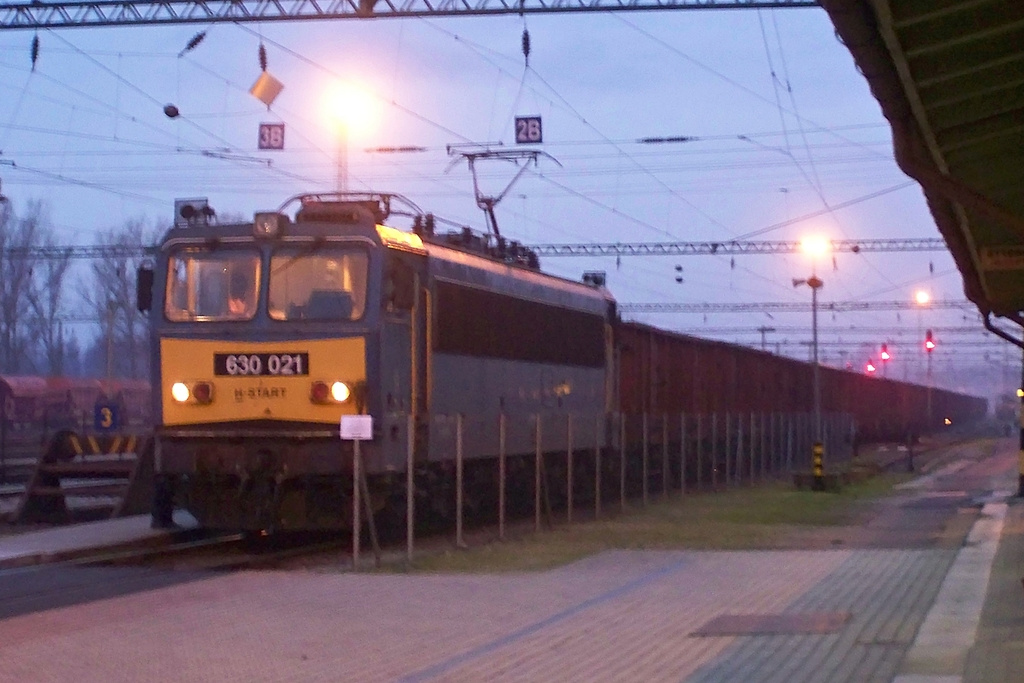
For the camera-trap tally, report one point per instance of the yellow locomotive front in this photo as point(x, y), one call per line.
point(260, 338)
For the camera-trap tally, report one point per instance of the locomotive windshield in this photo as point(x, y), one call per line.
point(328, 283)
point(212, 285)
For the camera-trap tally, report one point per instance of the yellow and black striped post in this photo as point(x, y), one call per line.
point(818, 466)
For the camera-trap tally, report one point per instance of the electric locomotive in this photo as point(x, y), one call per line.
point(264, 334)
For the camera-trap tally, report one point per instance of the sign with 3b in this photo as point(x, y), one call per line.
point(271, 136)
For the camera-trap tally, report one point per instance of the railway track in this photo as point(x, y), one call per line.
point(219, 552)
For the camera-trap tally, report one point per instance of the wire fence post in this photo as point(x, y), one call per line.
point(682, 454)
point(646, 449)
point(459, 476)
point(622, 461)
point(598, 431)
point(737, 473)
point(728, 449)
point(501, 477)
point(537, 455)
point(753, 445)
point(764, 445)
point(700, 451)
point(714, 451)
point(770, 468)
point(410, 491)
point(780, 442)
point(357, 524)
point(664, 455)
point(568, 468)
point(790, 436)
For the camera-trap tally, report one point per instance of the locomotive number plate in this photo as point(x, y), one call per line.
point(261, 363)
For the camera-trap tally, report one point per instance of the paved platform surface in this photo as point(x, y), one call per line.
point(23, 549)
point(912, 614)
point(621, 616)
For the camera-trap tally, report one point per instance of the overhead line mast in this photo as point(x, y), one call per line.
point(77, 14)
point(734, 247)
point(792, 307)
point(87, 251)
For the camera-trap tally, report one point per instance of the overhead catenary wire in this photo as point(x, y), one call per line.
point(672, 192)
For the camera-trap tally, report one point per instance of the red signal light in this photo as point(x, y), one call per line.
point(319, 392)
point(202, 392)
point(929, 342)
point(885, 353)
point(870, 368)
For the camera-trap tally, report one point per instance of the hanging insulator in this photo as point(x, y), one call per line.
point(263, 57)
point(732, 263)
point(35, 51)
point(191, 45)
point(931, 268)
point(526, 45)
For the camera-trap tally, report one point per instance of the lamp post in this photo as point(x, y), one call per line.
point(352, 110)
point(818, 450)
point(922, 298)
point(341, 179)
point(929, 346)
point(815, 246)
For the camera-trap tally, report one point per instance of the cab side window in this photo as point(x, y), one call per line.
point(399, 286)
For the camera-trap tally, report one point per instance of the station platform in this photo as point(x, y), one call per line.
point(56, 544)
point(900, 609)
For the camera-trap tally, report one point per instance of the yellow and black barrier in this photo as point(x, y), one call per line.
point(106, 444)
point(108, 476)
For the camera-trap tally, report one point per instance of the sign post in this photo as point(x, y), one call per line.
point(356, 428)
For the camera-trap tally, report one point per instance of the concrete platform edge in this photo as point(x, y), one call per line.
point(940, 648)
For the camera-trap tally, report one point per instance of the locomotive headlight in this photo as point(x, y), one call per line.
point(200, 392)
point(340, 392)
point(267, 224)
point(180, 392)
point(335, 392)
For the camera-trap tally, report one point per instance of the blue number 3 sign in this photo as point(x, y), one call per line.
point(106, 417)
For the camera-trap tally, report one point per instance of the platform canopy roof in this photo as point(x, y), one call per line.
point(949, 76)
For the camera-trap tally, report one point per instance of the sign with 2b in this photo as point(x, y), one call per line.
point(528, 130)
point(271, 136)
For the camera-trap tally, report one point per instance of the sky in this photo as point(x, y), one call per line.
point(780, 125)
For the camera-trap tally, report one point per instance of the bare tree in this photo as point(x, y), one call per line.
point(16, 282)
point(111, 295)
point(46, 296)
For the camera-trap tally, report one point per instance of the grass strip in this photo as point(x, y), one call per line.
point(764, 516)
